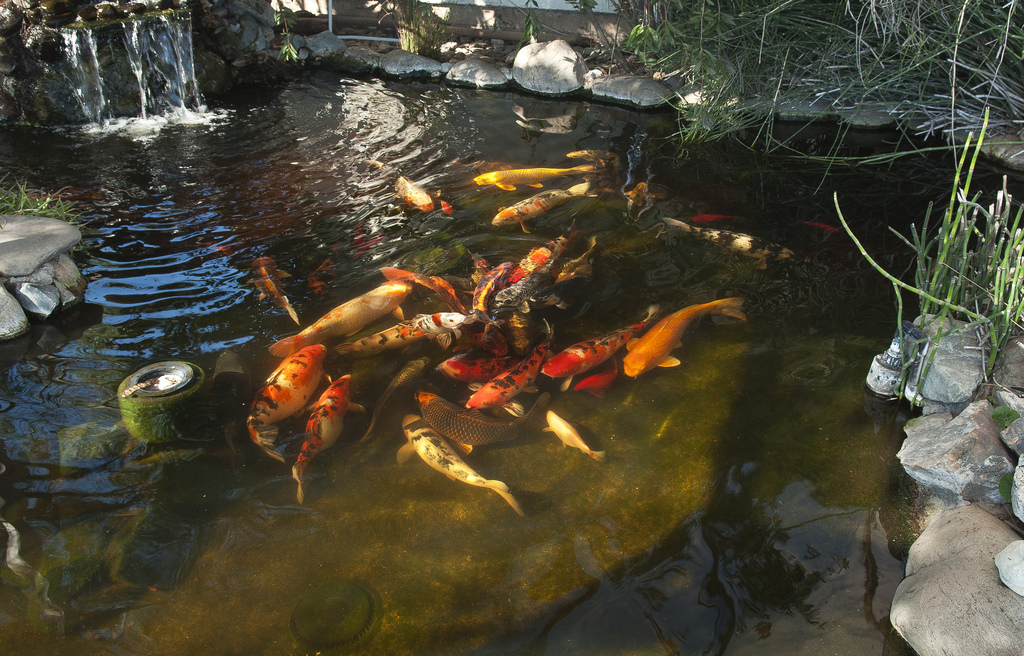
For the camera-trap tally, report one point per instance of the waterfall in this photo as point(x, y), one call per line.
point(157, 49)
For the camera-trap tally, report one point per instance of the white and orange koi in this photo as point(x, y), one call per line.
point(267, 279)
point(348, 318)
point(536, 205)
point(324, 426)
point(653, 348)
point(396, 337)
point(416, 196)
point(286, 392)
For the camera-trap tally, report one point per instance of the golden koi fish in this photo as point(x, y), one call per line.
point(266, 277)
point(536, 205)
point(508, 179)
point(653, 348)
point(416, 196)
point(439, 455)
point(348, 318)
point(735, 242)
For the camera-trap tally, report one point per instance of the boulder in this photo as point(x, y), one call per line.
point(632, 90)
point(259, 11)
point(958, 367)
point(324, 44)
point(13, 322)
point(40, 300)
point(1010, 563)
point(405, 64)
point(959, 459)
point(354, 61)
point(952, 601)
point(27, 242)
point(478, 73)
point(551, 68)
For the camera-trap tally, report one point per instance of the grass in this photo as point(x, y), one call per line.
point(420, 30)
point(16, 198)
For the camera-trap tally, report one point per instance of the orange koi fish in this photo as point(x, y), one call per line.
point(266, 277)
point(536, 205)
point(584, 356)
point(599, 383)
point(395, 337)
point(324, 426)
point(416, 196)
point(470, 367)
point(435, 283)
point(824, 227)
point(285, 393)
point(502, 388)
point(652, 350)
point(348, 318)
point(490, 284)
point(508, 179)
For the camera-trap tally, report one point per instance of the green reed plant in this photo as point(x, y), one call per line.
point(16, 198)
point(970, 266)
point(420, 30)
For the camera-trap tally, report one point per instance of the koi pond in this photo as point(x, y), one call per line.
point(750, 498)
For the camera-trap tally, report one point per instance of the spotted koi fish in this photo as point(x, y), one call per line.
point(348, 318)
point(439, 285)
point(416, 196)
point(470, 367)
point(267, 279)
point(439, 455)
point(518, 295)
point(396, 337)
point(735, 242)
point(501, 389)
point(469, 428)
point(534, 259)
point(324, 426)
point(441, 322)
point(490, 284)
point(584, 356)
point(286, 392)
point(508, 179)
point(536, 205)
point(652, 350)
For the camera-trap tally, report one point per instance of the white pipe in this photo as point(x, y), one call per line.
point(330, 16)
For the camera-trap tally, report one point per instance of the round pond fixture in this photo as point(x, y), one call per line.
point(336, 618)
point(154, 399)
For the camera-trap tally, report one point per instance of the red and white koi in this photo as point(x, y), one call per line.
point(285, 393)
point(599, 383)
point(324, 426)
point(267, 279)
point(584, 356)
point(539, 204)
point(440, 323)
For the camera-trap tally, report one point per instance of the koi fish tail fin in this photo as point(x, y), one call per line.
point(596, 455)
point(291, 312)
point(287, 346)
point(652, 311)
point(266, 438)
point(297, 471)
point(732, 307)
point(502, 490)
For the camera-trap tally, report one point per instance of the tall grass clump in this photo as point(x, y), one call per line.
point(937, 63)
point(970, 267)
point(16, 198)
point(420, 30)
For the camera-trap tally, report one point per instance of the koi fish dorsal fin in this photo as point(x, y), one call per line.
point(669, 362)
point(631, 344)
point(405, 452)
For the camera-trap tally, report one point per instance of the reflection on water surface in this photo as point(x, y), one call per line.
point(746, 497)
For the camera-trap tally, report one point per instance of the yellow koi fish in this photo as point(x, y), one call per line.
point(348, 318)
point(508, 179)
point(652, 350)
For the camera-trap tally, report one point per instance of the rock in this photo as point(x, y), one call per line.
point(212, 73)
point(41, 276)
point(324, 44)
point(959, 459)
point(1017, 492)
point(1010, 563)
point(633, 90)
point(958, 368)
point(952, 601)
point(404, 64)
point(40, 300)
point(27, 242)
point(10, 19)
point(67, 278)
point(354, 61)
point(1013, 436)
point(477, 73)
point(551, 68)
point(13, 322)
point(258, 10)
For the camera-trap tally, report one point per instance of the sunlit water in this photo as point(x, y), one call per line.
point(749, 501)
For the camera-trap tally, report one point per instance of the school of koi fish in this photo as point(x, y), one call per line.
point(500, 342)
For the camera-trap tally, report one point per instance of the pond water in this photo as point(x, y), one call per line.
point(750, 499)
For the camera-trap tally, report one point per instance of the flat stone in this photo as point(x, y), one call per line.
point(354, 61)
point(40, 300)
point(27, 242)
point(952, 601)
point(1010, 563)
point(324, 44)
point(405, 64)
point(13, 322)
point(476, 73)
point(959, 459)
point(549, 68)
point(633, 90)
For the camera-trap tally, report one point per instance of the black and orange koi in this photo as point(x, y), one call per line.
point(396, 337)
point(501, 389)
point(584, 356)
point(285, 393)
point(266, 277)
point(473, 367)
point(490, 284)
point(324, 426)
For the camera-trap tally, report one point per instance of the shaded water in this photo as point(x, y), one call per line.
point(749, 500)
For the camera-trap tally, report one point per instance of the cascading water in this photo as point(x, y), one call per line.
point(158, 51)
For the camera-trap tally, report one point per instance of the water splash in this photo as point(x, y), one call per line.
point(87, 83)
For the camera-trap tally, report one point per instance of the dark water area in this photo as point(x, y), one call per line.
point(750, 500)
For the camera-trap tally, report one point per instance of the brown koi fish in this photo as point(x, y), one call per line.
point(536, 205)
point(469, 428)
point(652, 350)
point(508, 179)
point(267, 279)
point(735, 242)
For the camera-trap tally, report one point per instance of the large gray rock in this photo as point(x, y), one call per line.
point(324, 44)
point(27, 242)
point(405, 64)
point(354, 61)
point(633, 90)
point(959, 459)
point(958, 367)
point(259, 10)
point(13, 322)
point(552, 68)
point(478, 73)
point(952, 601)
point(1010, 563)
